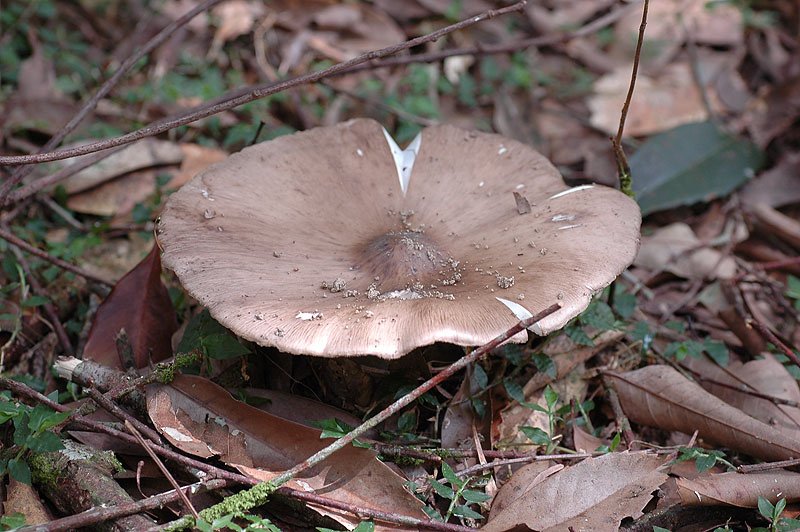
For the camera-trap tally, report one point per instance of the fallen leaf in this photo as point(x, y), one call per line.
point(140, 304)
point(117, 197)
point(688, 164)
point(765, 375)
point(595, 494)
point(659, 396)
point(22, 498)
point(659, 103)
point(737, 489)
point(676, 249)
point(138, 155)
point(777, 187)
point(197, 415)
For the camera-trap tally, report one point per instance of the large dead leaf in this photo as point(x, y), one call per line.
point(140, 304)
point(777, 187)
point(661, 397)
point(765, 375)
point(596, 494)
point(735, 489)
point(675, 248)
point(145, 153)
point(201, 418)
point(659, 103)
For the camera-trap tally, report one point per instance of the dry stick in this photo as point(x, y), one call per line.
point(48, 307)
point(767, 466)
point(606, 20)
point(106, 88)
point(11, 238)
point(623, 425)
point(21, 389)
point(404, 401)
point(99, 514)
point(258, 92)
point(769, 336)
point(113, 409)
point(162, 468)
point(624, 169)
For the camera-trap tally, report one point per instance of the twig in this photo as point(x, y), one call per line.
point(624, 169)
point(100, 514)
point(62, 174)
point(258, 92)
point(21, 389)
point(11, 238)
point(106, 88)
point(49, 309)
point(113, 409)
point(768, 466)
point(769, 336)
point(623, 425)
point(162, 468)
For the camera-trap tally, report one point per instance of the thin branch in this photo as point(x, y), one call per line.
point(11, 238)
point(164, 471)
point(258, 92)
point(770, 337)
point(100, 514)
point(604, 21)
point(624, 169)
point(407, 399)
point(104, 90)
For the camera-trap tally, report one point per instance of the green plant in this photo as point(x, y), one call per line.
point(793, 290)
point(455, 490)
point(704, 459)
point(31, 433)
point(537, 435)
point(226, 522)
point(363, 526)
point(335, 428)
point(772, 513)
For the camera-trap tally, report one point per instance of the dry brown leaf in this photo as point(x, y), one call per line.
point(778, 186)
point(737, 489)
point(22, 498)
point(196, 414)
point(765, 375)
point(300, 409)
point(659, 103)
point(140, 304)
point(595, 494)
point(661, 397)
point(141, 154)
point(675, 248)
point(585, 442)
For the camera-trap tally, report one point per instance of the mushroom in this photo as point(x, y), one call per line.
point(337, 242)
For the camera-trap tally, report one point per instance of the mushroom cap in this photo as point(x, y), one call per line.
point(335, 242)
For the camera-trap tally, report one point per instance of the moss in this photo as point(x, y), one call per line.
point(240, 502)
point(44, 470)
point(165, 373)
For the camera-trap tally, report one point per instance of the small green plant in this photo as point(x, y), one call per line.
point(335, 428)
point(12, 521)
point(537, 435)
point(455, 490)
point(226, 522)
point(612, 446)
point(704, 459)
point(793, 290)
point(31, 433)
point(772, 513)
point(363, 526)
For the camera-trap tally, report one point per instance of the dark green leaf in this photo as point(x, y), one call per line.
point(717, 351)
point(450, 475)
point(475, 496)
point(765, 508)
point(578, 335)
point(690, 163)
point(545, 365)
point(442, 490)
point(536, 435)
point(705, 462)
point(480, 377)
point(599, 315)
point(45, 442)
point(19, 470)
point(462, 510)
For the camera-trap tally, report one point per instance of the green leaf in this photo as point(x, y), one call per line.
point(718, 351)
point(704, 462)
point(765, 508)
point(480, 377)
point(599, 315)
point(214, 340)
point(475, 496)
point(514, 391)
point(407, 421)
point(365, 526)
point(35, 301)
point(624, 303)
point(462, 510)
point(536, 435)
point(780, 506)
point(442, 490)
point(578, 335)
point(19, 470)
point(550, 397)
point(690, 163)
point(45, 442)
point(12, 521)
point(659, 529)
point(545, 365)
point(450, 475)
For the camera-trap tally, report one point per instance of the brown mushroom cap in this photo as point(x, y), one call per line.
point(308, 242)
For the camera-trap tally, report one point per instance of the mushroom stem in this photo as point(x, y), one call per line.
point(404, 401)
